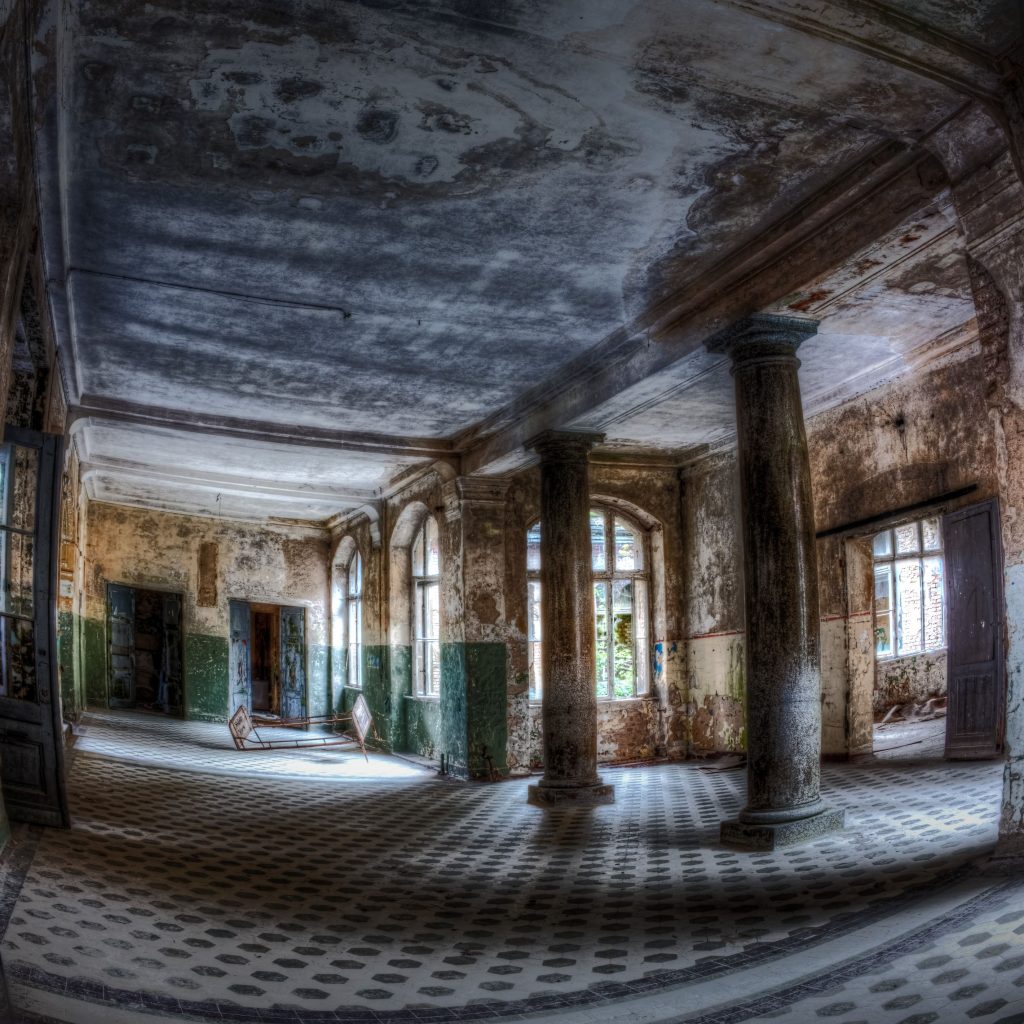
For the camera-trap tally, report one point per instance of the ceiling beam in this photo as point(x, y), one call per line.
point(105, 410)
point(875, 30)
point(248, 486)
point(867, 201)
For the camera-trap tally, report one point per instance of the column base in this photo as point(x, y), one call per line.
point(783, 833)
point(571, 796)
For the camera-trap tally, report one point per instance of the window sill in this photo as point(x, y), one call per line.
point(917, 654)
point(608, 700)
point(426, 698)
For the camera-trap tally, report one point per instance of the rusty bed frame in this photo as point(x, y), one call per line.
point(244, 731)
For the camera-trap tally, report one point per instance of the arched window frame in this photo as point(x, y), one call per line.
point(608, 570)
point(426, 609)
point(354, 621)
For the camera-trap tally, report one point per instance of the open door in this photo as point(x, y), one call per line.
point(31, 742)
point(240, 656)
point(974, 633)
point(121, 630)
point(293, 662)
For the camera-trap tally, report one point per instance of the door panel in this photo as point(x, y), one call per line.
point(240, 656)
point(293, 662)
point(121, 629)
point(170, 683)
point(974, 633)
point(31, 740)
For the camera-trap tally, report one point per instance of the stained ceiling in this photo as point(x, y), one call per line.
point(296, 249)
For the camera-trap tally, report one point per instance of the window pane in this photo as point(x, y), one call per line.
point(934, 631)
point(907, 542)
point(433, 566)
point(883, 544)
point(597, 541)
point(931, 534)
point(909, 611)
point(883, 636)
point(643, 647)
point(622, 638)
point(355, 576)
point(16, 595)
point(533, 638)
point(417, 555)
point(433, 623)
point(533, 548)
point(23, 468)
point(17, 659)
point(533, 610)
point(627, 547)
point(353, 621)
point(434, 668)
point(601, 629)
point(883, 588)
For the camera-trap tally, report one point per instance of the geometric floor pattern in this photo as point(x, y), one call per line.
point(202, 883)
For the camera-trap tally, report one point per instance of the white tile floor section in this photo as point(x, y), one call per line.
point(202, 883)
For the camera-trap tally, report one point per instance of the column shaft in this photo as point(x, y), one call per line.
point(783, 686)
point(569, 698)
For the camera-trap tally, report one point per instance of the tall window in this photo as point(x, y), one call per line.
point(354, 614)
point(909, 593)
point(426, 574)
point(619, 566)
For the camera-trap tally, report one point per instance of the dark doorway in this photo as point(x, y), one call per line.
point(266, 679)
point(145, 649)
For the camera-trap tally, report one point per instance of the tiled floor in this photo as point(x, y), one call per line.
point(205, 884)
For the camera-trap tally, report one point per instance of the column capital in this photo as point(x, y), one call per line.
point(762, 338)
point(473, 490)
point(563, 445)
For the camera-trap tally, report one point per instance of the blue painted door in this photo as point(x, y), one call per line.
point(293, 662)
point(240, 656)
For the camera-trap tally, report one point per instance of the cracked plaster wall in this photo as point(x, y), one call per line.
point(144, 548)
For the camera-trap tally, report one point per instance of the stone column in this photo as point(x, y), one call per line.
point(569, 709)
point(781, 588)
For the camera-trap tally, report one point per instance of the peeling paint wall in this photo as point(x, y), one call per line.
point(161, 551)
point(910, 442)
point(709, 707)
point(907, 442)
point(909, 680)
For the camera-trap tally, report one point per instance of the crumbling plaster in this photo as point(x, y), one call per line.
point(160, 551)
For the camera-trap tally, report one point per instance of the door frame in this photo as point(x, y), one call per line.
point(156, 588)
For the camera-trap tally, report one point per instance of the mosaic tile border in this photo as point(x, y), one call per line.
point(600, 993)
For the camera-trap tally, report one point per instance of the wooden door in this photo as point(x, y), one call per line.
point(974, 633)
point(121, 630)
point(293, 662)
point(240, 656)
point(31, 736)
point(170, 683)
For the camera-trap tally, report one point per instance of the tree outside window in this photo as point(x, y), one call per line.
point(618, 561)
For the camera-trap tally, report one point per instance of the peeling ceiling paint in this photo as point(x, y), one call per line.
point(399, 218)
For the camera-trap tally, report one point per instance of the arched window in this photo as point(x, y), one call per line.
point(354, 623)
point(426, 603)
point(621, 606)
